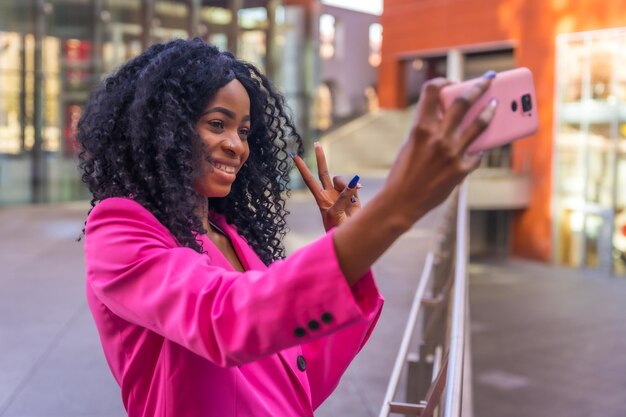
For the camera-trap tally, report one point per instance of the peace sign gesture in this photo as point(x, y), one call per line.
point(336, 199)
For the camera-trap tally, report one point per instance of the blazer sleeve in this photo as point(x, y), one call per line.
point(138, 271)
point(329, 357)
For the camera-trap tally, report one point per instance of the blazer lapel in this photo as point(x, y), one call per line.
point(251, 261)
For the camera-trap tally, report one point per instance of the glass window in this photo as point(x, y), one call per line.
point(253, 18)
point(252, 47)
point(375, 43)
point(170, 21)
point(589, 137)
point(328, 45)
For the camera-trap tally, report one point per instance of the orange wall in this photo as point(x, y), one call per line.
point(418, 25)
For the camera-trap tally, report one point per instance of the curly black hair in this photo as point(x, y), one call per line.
point(137, 137)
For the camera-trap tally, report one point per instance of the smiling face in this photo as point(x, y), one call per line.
point(223, 127)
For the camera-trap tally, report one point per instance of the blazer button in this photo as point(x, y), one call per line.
point(327, 317)
point(301, 363)
point(299, 332)
point(314, 325)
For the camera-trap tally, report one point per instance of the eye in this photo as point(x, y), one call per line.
point(217, 124)
point(244, 131)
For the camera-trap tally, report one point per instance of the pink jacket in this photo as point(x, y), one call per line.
point(186, 335)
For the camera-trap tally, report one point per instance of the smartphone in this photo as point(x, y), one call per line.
point(516, 113)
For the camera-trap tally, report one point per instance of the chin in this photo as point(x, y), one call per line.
point(213, 192)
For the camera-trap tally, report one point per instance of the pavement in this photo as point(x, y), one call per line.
point(545, 341)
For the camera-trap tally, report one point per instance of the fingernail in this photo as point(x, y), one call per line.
point(292, 154)
point(493, 102)
point(354, 181)
point(316, 144)
point(359, 186)
point(490, 74)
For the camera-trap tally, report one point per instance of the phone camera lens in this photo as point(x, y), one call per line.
point(527, 104)
point(514, 106)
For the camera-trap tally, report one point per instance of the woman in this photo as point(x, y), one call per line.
point(186, 152)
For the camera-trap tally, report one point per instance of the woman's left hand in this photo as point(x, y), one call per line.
point(335, 198)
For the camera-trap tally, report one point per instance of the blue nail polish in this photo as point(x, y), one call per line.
point(354, 181)
point(490, 74)
point(292, 154)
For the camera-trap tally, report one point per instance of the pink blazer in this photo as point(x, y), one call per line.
point(186, 335)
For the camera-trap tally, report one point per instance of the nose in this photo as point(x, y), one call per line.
point(233, 146)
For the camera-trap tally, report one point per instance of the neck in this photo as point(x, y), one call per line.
point(202, 211)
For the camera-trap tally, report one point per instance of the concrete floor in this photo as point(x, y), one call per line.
point(545, 341)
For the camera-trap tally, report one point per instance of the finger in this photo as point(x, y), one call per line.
point(322, 167)
point(428, 107)
point(479, 124)
point(461, 104)
point(472, 162)
point(307, 176)
point(339, 183)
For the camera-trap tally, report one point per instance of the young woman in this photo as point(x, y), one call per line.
point(187, 152)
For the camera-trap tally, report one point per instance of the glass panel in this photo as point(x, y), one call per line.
point(599, 172)
point(593, 232)
point(122, 30)
point(570, 237)
point(252, 47)
point(171, 20)
point(588, 157)
point(619, 232)
point(16, 70)
point(253, 18)
point(71, 65)
point(619, 243)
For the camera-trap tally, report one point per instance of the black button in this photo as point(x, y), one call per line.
point(314, 325)
point(301, 363)
point(299, 332)
point(327, 317)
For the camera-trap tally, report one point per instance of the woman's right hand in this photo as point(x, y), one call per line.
point(433, 159)
point(431, 162)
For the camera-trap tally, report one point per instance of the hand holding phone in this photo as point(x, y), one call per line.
point(516, 114)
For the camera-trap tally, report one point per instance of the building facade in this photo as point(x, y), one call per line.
point(576, 163)
point(52, 53)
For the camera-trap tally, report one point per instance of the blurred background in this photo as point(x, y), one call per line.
point(351, 72)
point(560, 199)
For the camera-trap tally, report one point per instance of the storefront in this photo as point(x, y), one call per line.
point(52, 54)
point(589, 201)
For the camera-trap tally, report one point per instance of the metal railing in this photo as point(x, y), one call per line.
point(434, 351)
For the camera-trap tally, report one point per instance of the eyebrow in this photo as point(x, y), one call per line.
point(225, 111)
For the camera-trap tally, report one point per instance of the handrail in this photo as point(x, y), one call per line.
point(454, 390)
point(407, 336)
point(444, 318)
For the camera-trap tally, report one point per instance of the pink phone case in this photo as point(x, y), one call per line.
point(516, 113)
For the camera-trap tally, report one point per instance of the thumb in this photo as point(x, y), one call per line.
point(346, 200)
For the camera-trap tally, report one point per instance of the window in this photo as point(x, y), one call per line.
point(376, 40)
point(327, 36)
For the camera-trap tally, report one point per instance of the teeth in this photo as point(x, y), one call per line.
point(226, 168)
